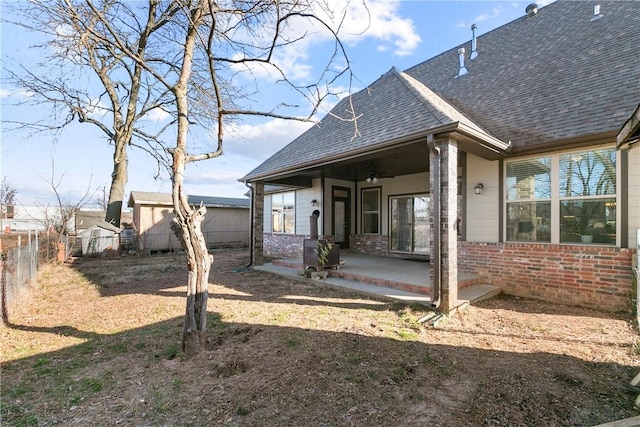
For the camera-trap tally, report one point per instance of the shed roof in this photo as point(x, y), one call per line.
point(538, 83)
point(164, 199)
point(102, 225)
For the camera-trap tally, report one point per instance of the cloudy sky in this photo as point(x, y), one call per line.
point(399, 33)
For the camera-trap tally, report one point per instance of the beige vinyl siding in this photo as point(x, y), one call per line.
point(482, 217)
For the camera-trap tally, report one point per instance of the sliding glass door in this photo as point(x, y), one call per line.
point(410, 224)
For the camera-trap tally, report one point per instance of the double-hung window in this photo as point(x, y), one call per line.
point(371, 211)
point(562, 198)
point(283, 212)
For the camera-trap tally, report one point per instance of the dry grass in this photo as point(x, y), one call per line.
point(99, 344)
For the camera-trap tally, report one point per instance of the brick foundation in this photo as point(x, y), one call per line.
point(590, 276)
point(286, 245)
point(372, 244)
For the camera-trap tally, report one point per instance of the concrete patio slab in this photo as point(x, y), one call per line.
point(389, 278)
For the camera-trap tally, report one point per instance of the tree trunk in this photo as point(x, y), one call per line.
point(199, 262)
point(188, 220)
point(118, 183)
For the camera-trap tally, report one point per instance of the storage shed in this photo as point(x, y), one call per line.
point(99, 237)
point(226, 224)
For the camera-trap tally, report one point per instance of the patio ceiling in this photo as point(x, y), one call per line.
point(404, 160)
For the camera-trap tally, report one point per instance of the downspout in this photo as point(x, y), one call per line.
point(436, 287)
point(251, 225)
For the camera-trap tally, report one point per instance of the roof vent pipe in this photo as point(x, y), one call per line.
point(463, 70)
point(596, 13)
point(474, 48)
point(531, 10)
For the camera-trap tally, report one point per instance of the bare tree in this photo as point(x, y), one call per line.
point(101, 199)
point(193, 60)
point(84, 76)
point(59, 217)
point(7, 198)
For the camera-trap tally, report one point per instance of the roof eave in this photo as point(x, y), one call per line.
point(492, 145)
point(629, 134)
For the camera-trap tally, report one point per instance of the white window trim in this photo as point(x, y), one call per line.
point(555, 193)
point(379, 211)
point(294, 213)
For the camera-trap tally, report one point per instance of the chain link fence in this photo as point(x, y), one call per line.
point(21, 255)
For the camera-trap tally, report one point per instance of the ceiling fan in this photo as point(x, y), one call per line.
point(374, 176)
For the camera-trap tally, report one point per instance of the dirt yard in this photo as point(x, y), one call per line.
point(97, 343)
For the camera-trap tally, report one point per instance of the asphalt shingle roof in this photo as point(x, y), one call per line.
point(553, 76)
point(543, 79)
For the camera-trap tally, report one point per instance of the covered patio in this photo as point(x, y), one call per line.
point(391, 278)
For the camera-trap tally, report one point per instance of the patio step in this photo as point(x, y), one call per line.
point(471, 289)
point(477, 292)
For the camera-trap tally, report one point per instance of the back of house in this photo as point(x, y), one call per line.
point(516, 129)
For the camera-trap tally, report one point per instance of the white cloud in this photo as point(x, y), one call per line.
point(355, 23)
point(375, 19)
point(496, 11)
point(258, 142)
point(157, 115)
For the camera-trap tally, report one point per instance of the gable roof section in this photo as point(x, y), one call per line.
point(394, 109)
point(554, 80)
point(164, 199)
point(558, 75)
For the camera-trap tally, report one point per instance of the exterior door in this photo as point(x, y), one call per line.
point(341, 215)
point(410, 224)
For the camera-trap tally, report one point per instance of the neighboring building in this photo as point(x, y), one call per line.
point(534, 193)
point(86, 218)
point(32, 218)
point(226, 224)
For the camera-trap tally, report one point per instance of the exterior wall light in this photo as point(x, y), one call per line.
point(478, 188)
point(314, 202)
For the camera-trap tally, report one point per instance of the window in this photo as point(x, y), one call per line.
point(371, 211)
point(529, 200)
point(588, 197)
point(571, 196)
point(283, 212)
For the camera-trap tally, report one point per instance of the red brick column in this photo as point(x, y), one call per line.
point(447, 164)
point(257, 223)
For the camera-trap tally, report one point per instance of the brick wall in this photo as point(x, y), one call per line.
point(591, 276)
point(286, 245)
point(372, 244)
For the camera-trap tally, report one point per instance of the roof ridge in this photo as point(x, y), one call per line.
point(433, 102)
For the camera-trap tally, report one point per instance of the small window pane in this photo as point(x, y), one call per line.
point(588, 173)
point(370, 200)
point(529, 179)
point(529, 222)
point(588, 221)
point(370, 223)
point(283, 212)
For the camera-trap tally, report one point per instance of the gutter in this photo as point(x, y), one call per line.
point(491, 143)
point(436, 286)
point(251, 223)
